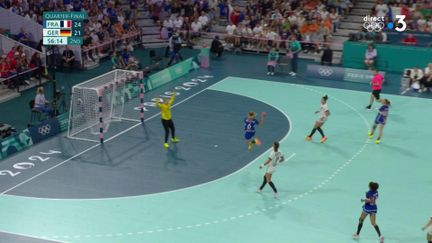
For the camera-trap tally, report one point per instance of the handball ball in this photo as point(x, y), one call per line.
point(263, 113)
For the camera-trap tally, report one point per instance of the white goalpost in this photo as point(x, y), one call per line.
point(98, 102)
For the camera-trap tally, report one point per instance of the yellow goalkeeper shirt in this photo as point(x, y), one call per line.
point(165, 108)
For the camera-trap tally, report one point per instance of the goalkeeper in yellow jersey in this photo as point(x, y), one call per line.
point(167, 121)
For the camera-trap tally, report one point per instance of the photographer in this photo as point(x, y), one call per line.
point(175, 44)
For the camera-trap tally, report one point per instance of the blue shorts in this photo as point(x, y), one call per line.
point(370, 210)
point(249, 135)
point(380, 121)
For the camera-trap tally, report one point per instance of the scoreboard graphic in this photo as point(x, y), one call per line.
point(63, 28)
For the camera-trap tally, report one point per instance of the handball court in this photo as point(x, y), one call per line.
point(204, 189)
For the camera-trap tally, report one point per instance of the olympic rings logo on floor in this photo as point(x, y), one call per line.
point(373, 26)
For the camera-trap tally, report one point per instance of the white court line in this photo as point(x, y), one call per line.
point(30, 236)
point(406, 90)
point(97, 145)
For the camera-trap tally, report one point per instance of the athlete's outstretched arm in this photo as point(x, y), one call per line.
point(266, 163)
point(429, 224)
point(172, 98)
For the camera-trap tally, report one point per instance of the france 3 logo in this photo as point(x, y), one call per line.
point(377, 24)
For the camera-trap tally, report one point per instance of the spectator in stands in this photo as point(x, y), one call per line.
point(68, 57)
point(410, 40)
point(178, 22)
point(22, 66)
point(217, 47)
point(36, 62)
point(5, 70)
point(230, 29)
point(23, 37)
point(335, 19)
point(415, 76)
point(204, 21)
point(41, 103)
point(426, 80)
point(370, 56)
point(272, 60)
point(87, 44)
point(327, 57)
point(116, 61)
point(381, 9)
point(196, 28)
point(169, 26)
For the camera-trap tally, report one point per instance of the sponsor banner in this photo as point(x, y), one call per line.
point(180, 69)
point(325, 72)
point(169, 74)
point(359, 76)
point(63, 121)
point(44, 130)
point(15, 143)
point(340, 73)
point(158, 79)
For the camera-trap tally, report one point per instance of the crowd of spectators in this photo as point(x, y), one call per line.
point(418, 13)
point(16, 68)
point(262, 24)
point(267, 24)
point(107, 21)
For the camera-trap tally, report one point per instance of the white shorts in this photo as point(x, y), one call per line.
point(271, 169)
point(322, 120)
point(429, 230)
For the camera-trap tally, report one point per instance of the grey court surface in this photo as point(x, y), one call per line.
point(210, 127)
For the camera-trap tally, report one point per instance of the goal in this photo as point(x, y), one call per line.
point(100, 101)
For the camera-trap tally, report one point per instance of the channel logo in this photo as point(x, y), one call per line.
point(377, 24)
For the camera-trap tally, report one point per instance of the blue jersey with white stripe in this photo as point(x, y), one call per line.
point(249, 124)
point(382, 115)
point(371, 205)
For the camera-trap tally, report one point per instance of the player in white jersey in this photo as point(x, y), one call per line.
point(272, 162)
point(324, 113)
point(428, 228)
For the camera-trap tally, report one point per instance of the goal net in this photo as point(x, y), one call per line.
point(100, 101)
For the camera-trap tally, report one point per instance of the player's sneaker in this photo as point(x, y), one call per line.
point(323, 139)
point(166, 145)
point(268, 73)
point(368, 107)
point(259, 190)
point(308, 138)
point(356, 237)
point(257, 141)
point(370, 135)
point(377, 141)
point(382, 239)
point(250, 145)
point(175, 140)
point(276, 195)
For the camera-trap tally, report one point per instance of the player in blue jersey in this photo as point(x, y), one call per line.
point(370, 208)
point(380, 120)
point(250, 122)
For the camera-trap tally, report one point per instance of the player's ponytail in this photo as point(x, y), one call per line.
point(388, 102)
point(276, 146)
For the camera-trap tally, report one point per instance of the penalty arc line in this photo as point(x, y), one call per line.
point(97, 145)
